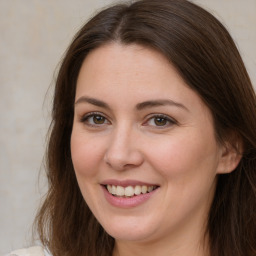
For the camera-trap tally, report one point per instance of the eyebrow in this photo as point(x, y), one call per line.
point(139, 106)
point(92, 101)
point(160, 102)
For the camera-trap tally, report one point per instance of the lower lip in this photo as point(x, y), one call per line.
point(127, 202)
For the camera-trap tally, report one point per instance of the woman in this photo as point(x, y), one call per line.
point(152, 146)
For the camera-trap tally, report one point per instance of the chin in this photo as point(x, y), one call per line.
point(130, 229)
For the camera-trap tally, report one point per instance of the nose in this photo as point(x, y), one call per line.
point(123, 151)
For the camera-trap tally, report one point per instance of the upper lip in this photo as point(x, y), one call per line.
point(126, 183)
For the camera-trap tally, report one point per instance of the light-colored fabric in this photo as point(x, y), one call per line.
point(32, 251)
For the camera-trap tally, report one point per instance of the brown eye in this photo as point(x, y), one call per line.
point(97, 119)
point(92, 119)
point(160, 121)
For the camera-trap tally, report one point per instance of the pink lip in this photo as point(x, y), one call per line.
point(127, 202)
point(126, 183)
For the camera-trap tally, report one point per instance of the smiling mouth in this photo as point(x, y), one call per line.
point(129, 191)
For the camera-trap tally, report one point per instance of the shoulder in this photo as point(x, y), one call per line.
point(31, 251)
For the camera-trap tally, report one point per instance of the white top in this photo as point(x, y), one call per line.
point(32, 251)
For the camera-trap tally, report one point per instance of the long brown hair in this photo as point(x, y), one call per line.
point(204, 54)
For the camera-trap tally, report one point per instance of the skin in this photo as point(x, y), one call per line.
point(179, 153)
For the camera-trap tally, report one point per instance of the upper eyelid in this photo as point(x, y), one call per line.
point(163, 116)
point(93, 113)
point(170, 122)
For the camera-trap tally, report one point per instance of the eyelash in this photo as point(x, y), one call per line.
point(169, 121)
point(86, 117)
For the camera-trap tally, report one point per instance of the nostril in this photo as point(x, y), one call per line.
point(123, 160)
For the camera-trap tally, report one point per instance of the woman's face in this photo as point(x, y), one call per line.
point(143, 146)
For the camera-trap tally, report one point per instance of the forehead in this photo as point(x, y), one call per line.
point(132, 70)
point(114, 64)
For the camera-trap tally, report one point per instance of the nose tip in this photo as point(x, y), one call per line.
point(120, 161)
point(123, 154)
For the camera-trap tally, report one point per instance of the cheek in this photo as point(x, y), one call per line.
point(185, 156)
point(188, 168)
point(86, 154)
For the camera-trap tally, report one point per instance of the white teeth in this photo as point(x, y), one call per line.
point(137, 190)
point(109, 187)
point(119, 191)
point(144, 189)
point(113, 189)
point(130, 190)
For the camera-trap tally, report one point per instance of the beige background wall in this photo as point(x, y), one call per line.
point(33, 37)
